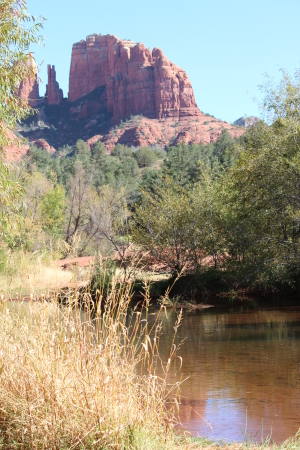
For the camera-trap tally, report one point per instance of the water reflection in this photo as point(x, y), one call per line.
point(240, 364)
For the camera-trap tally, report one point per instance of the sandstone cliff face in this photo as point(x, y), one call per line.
point(29, 88)
point(136, 80)
point(54, 95)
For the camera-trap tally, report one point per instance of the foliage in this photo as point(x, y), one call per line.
point(53, 211)
point(11, 192)
point(231, 206)
point(102, 168)
point(111, 220)
point(121, 151)
point(104, 180)
point(145, 157)
point(261, 193)
point(18, 30)
point(164, 225)
point(78, 204)
point(208, 239)
point(185, 162)
point(2, 259)
point(181, 226)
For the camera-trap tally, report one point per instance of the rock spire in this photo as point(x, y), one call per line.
point(54, 95)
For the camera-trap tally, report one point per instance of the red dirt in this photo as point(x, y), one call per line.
point(68, 263)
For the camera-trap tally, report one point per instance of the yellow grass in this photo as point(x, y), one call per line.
point(27, 273)
point(82, 380)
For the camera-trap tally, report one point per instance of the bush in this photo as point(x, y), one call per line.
point(121, 151)
point(160, 153)
point(145, 157)
point(130, 168)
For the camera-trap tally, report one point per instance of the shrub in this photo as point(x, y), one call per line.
point(145, 157)
point(121, 151)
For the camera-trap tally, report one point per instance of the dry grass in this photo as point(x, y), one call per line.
point(34, 273)
point(83, 380)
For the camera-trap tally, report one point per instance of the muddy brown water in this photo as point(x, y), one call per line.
point(243, 369)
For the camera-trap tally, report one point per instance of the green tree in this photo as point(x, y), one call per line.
point(262, 192)
point(121, 151)
point(78, 210)
point(53, 211)
point(98, 154)
point(164, 224)
point(129, 168)
point(18, 29)
point(83, 154)
point(36, 187)
point(184, 162)
point(145, 157)
point(223, 149)
point(111, 221)
point(207, 241)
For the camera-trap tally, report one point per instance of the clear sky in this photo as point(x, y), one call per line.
point(225, 46)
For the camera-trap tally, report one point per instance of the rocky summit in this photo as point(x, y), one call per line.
point(119, 92)
point(136, 79)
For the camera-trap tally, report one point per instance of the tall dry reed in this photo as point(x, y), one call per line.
point(83, 379)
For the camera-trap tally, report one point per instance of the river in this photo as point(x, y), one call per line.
point(243, 369)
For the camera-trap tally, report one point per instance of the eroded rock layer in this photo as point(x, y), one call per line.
point(136, 79)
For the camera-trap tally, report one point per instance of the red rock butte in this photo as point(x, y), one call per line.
point(136, 80)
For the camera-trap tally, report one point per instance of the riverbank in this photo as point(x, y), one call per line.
point(36, 274)
point(291, 444)
point(68, 380)
point(30, 331)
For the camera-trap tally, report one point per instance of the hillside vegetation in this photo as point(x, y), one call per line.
point(225, 214)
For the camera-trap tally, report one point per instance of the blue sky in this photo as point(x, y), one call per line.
point(225, 46)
